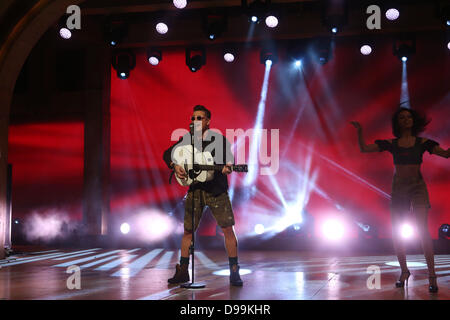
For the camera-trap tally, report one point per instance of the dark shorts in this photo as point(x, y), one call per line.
point(409, 192)
point(220, 207)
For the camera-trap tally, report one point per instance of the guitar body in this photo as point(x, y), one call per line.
point(182, 155)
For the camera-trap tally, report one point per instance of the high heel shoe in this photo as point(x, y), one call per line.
point(433, 288)
point(401, 283)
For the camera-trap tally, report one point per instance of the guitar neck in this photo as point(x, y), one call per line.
point(219, 167)
point(215, 167)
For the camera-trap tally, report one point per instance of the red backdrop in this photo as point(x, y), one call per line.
point(312, 111)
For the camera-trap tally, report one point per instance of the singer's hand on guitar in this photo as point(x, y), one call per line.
point(179, 171)
point(227, 168)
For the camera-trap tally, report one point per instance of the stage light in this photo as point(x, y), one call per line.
point(115, 31)
point(123, 62)
point(271, 21)
point(154, 56)
point(16, 221)
point(366, 50)
point(448, 45)
point(335, 14)
point(125, 228)
point(153, 61)
point(259, 229)
point(410, 264)
point(392, 14)
point(162, 28)
point(229, 57)
point(406, 231)
point(214, 24)
point(444, 231)
point(323, 50)
point(404, 47)
point(153, 225)
point(296, 52)
point(267, 54)
point(256, 10)
point(180, 4)
point(229, 52)
point(333, 229)
point(226, 272)
point(195, 58)
point(63, 31)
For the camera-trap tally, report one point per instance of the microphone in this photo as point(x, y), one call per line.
point(191, 129)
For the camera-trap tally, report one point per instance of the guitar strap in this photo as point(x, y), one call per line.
point(171, 175)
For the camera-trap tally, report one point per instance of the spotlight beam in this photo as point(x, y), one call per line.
point(320, 116)
point(349, 173)
point(257, 129)
point(404, 98)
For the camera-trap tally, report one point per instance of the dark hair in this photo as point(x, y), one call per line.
point(202, 108)
point(420, 121)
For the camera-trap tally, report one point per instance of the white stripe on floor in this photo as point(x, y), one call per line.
point(45, 257)
point(136, 266)
point(164, 262)
point(117, 262)
point(70, 263)
point(206, 261)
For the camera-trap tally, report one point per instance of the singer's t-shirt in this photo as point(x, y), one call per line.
point(212, 142)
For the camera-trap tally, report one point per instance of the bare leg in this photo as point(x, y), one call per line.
point(186, 243)
point(399, 246)
point(421, 214)
point(230, 241)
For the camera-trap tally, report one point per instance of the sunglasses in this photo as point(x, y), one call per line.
point(198, 118)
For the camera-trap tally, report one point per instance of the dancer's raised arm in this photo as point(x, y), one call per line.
point(437, 150)
point(362, 145)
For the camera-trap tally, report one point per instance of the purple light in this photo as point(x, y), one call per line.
point(333, 229)
point(259, 229)
point(229, 57)
point(407, 231)
point(366, 50)
point(153, 61)
point(65, 33)
point(125, 228)
point(271, 21)
point(392, 14)
point(180, 4)
point(162, 28)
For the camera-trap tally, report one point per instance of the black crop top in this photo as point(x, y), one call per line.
point(411, 155)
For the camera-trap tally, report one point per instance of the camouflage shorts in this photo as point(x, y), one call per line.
point(220, 207)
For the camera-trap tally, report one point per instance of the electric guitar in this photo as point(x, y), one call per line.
point(203, 168)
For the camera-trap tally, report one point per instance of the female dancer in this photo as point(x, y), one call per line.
point(408, 187)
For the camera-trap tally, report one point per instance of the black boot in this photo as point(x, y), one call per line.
point(181, 274)
point(235, 278)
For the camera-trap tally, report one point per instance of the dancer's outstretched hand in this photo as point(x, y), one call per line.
point(356, 124)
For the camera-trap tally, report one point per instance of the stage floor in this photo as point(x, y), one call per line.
point(268, 275)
